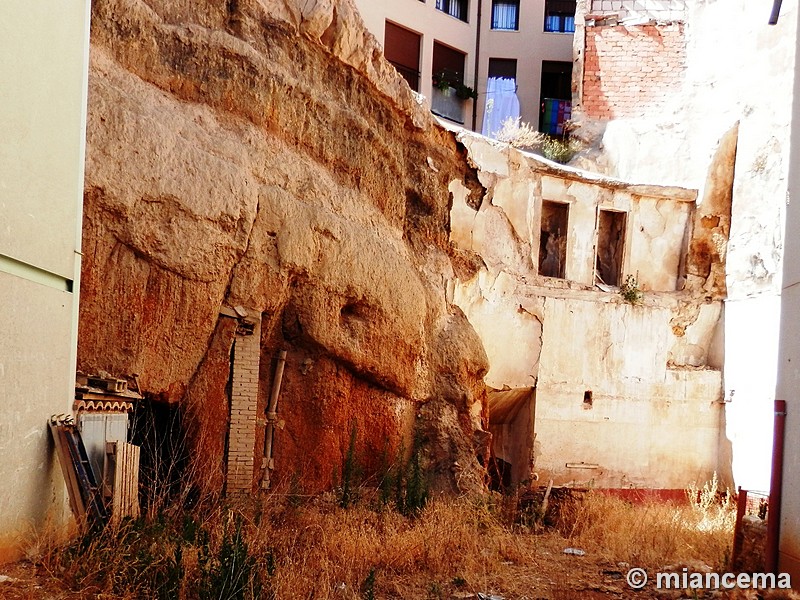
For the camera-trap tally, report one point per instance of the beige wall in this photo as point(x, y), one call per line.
point(673, 148)
point(529, 46)
point(42, 116)
point(433, 25)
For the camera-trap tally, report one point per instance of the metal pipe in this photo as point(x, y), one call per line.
point(477, 64)
point(776, 11)
point(775, 489)
point(272, 419)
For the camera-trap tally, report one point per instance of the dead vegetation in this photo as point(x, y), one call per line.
point(653, 534)
point(284, 546)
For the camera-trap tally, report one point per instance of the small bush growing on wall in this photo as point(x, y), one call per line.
point(558, 148)
point(630, 291)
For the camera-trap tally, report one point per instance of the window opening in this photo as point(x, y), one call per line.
point(454, 8)
point(610, 246)
point(553, 240)
point(556, 96)
point(448, 75)
point(401, 48)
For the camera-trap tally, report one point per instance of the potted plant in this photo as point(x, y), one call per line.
point(445, 80)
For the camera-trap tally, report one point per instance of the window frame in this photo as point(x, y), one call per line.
point(494, 21)
point(446, 6)
point(553, 9)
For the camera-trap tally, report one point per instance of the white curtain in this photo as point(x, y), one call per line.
point(504, 15)
point(501, 103)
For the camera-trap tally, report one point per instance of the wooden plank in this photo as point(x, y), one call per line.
point(64, 459)
point(90, 493)
point(125, 500)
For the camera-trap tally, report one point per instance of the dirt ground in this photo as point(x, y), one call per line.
point(551, 574)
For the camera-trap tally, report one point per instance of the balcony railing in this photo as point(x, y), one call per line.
point(447, 104)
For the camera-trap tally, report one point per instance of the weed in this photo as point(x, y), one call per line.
point(651, 533)
point(368, 587)
point(630, 291)
point(411, 482)
point(231, 574)
point(558, 148)
point(350, 471)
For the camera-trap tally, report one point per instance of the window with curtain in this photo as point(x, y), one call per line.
point(454, 8)
point(559, 16)
point(505, 15)
point(502, 102)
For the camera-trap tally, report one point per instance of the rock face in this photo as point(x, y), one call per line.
point(262, 154)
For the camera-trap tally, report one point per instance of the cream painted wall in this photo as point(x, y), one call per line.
point(433, 25)
point(529, 46)
point(739, 69)
point(43, 83)
point(654, 384)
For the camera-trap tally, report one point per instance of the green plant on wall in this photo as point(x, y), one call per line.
point(558, 148)
point(630, 291)
point(444, 80)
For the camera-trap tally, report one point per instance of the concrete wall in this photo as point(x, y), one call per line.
point(788, 382)
point(42, 117)
point(661, 10)
point(651, 370)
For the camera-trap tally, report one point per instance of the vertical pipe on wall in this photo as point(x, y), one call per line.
point(272, 419)
point(776, 11)
point(775, 488)
point(477, 65)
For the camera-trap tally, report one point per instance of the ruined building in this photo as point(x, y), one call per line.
point(598, 302)
point(703, 69)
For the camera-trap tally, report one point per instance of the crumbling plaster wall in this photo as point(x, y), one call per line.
point(737, 70)
point(652, 369)
point(263, 154)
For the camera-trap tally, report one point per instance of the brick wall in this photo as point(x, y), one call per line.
point(244, 403)
point(632, 71)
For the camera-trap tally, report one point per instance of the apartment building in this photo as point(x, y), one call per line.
point(479, 61)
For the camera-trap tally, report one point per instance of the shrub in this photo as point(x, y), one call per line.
point(560, 149)
point(630, 291)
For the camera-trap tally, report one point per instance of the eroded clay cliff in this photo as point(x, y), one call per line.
point(262, 154)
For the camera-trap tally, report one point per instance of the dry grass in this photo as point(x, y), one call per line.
point(299, 550)
point(558, 148)
point(283, 547)
point(652, 533)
